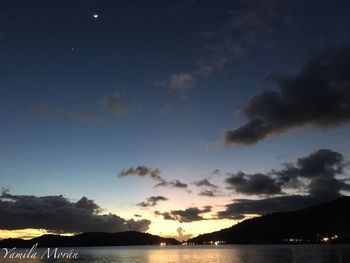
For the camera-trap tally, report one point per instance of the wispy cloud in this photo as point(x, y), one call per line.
point(249, 26)
point(152, 201)
point(181, 82)
point(102, 113)
point(172, 184)
point(154, 173)
point(142, 171)
point(79, 114)
point(114, 104)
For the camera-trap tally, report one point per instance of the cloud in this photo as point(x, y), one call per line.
point(322, 174)
point(172, 184)
point(85, 116)
point(241, 207)
point(184, 216)
point(142, 171)
point(259, 24)
point(180, 82)
point(320, 167)
point(209, 193)
point(181, 236)
point(318, 97)
point(152, 201)
point(253, 184)
point(216, 55)
point(249, 26)
point(323, 162)
point(100, 114)
point(207, 188)
point(80, 114)
point(255, 25)
point(59, 214)
point(114, 104)
point(205, 183)
point(216, 172)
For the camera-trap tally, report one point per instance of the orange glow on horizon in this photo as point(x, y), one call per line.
point(27, 233)
point(161, 227)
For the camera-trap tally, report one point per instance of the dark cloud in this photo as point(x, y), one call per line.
point(205, 183)
point(142, 171)
point(241, 207)
point(207, 188)
point(319, 171)
point(319, 97)
point(152, 201)
point(188, 215)
point(253, 184)
point(209, 193)
point(326, 187)
point(323, 162)
point(320, 167)
point(59, 214)
point(172, 184)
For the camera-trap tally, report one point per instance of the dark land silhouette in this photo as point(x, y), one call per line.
point(323, 223)
point(129, 238)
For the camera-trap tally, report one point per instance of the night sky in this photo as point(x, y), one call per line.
point(171, 117)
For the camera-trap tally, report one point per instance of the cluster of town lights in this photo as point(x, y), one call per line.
point(326, 239)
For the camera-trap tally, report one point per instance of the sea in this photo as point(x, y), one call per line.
point(188, 254)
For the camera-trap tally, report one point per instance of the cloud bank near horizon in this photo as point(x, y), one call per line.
point(58, 214)
point(319, 177)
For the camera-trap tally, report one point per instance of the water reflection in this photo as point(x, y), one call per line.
point(207, 254)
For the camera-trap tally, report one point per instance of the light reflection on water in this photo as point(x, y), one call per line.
point(206, 254)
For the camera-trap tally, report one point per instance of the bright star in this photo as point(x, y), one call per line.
point(95, 15)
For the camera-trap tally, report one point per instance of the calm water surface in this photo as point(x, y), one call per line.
point(207, 254)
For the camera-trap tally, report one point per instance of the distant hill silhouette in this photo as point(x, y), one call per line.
point(311, 225)
point(129, 238)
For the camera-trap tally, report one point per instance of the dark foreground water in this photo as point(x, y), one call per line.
point(198, 254)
